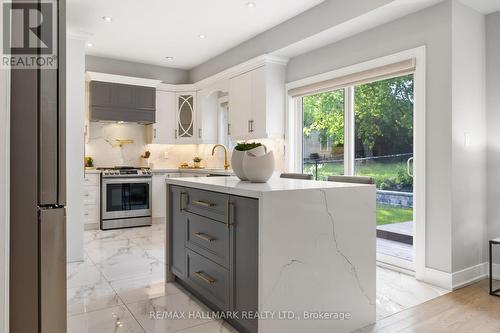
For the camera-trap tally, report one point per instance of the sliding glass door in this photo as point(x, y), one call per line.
point(323, 134)
point(367, 130)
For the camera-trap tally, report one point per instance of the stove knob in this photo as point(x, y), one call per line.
point(149, 172)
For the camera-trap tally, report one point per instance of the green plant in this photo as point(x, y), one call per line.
point(197, 159)
point(89, 162)
point(243, 146)
point(403, 178)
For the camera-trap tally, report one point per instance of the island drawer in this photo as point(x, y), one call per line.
point(208, 238)
point(209, 280)
point(209, 204)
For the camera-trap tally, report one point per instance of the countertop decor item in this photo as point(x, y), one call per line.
point(145, 159)
point(197, 162)
point(239, 152)
point(258, 168)
point(89, 162)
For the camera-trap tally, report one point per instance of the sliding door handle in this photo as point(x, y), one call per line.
point(408, 167)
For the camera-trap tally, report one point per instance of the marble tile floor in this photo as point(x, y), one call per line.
point(121, 283)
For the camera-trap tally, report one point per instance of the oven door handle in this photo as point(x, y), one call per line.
point(127, 180)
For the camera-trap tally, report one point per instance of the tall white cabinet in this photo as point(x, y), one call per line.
point(257, 103)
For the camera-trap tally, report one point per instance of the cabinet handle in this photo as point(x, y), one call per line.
point(181, 203)
point(248, 125)
point(205, 277)
point(205, 237)
point(175, 133)
point(251, 126)
point(204, 203)
point(199, 133)
point(229, 215)
point(154, 133)
point(228, 129)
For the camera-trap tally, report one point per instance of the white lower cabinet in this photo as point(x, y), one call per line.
point(159, 193)
point(91, 199)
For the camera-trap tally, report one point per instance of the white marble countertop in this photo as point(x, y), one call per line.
point(90, 171)
point(232, 185)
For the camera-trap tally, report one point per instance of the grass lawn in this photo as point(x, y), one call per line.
point(387, 175)
point(391, 214)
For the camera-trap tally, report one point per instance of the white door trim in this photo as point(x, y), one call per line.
point(4, 197)
point(294, 143)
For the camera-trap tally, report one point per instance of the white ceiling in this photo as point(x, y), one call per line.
point(483, 6)
point(148, 31)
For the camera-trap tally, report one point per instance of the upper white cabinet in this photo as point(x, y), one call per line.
point(175, 118)
point(257, 103)
point(186, 130)
point(209, 114)
point(163, 131)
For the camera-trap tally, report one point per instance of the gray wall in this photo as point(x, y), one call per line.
point(127, 68)
point(326, 15)
point(430, 27)
point(493, 117)
point(468, 116)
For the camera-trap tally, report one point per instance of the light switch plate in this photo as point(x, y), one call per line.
point(165, 155)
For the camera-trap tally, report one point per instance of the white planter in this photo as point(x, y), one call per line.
point(237, 160)
point(258, 169)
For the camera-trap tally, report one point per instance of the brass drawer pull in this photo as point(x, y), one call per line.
point(181, 201)
point(229, 214)
point(203, 203)
point(205, 237)
point(205, 277)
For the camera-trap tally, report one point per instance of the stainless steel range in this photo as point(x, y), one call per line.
point(126, 197)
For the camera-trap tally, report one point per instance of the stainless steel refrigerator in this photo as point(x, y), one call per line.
point(38, 195)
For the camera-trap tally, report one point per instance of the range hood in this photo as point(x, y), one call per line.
point(114, 98)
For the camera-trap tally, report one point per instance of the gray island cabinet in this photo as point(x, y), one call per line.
point(214, 239)
point(298, 255)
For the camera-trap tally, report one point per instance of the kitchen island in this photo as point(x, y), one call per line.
point(284, 256)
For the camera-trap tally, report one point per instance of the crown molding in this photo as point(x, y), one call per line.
point(200, 85)
point(112, 78)
point(241, 68)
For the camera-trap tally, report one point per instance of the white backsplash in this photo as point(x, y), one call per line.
point(103, 148)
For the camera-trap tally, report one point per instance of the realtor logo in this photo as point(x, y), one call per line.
point(29, 34)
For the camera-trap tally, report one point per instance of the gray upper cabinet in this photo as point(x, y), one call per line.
point(122, 102)
point(145, 98)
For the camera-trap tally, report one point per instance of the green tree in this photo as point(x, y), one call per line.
point(324, 113)
point(383, 115)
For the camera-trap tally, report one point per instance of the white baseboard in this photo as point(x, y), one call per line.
point(437, 278)
point(91, 226)
point(470, 275)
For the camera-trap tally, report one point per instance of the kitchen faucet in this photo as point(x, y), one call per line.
point(226, 164)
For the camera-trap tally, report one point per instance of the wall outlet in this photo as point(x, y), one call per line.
point(165, 155)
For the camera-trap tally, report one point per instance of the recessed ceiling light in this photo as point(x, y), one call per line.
point(250, 4)
point(202, 36)
point(169, 58)
point(107, 18)
point(90, 44)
